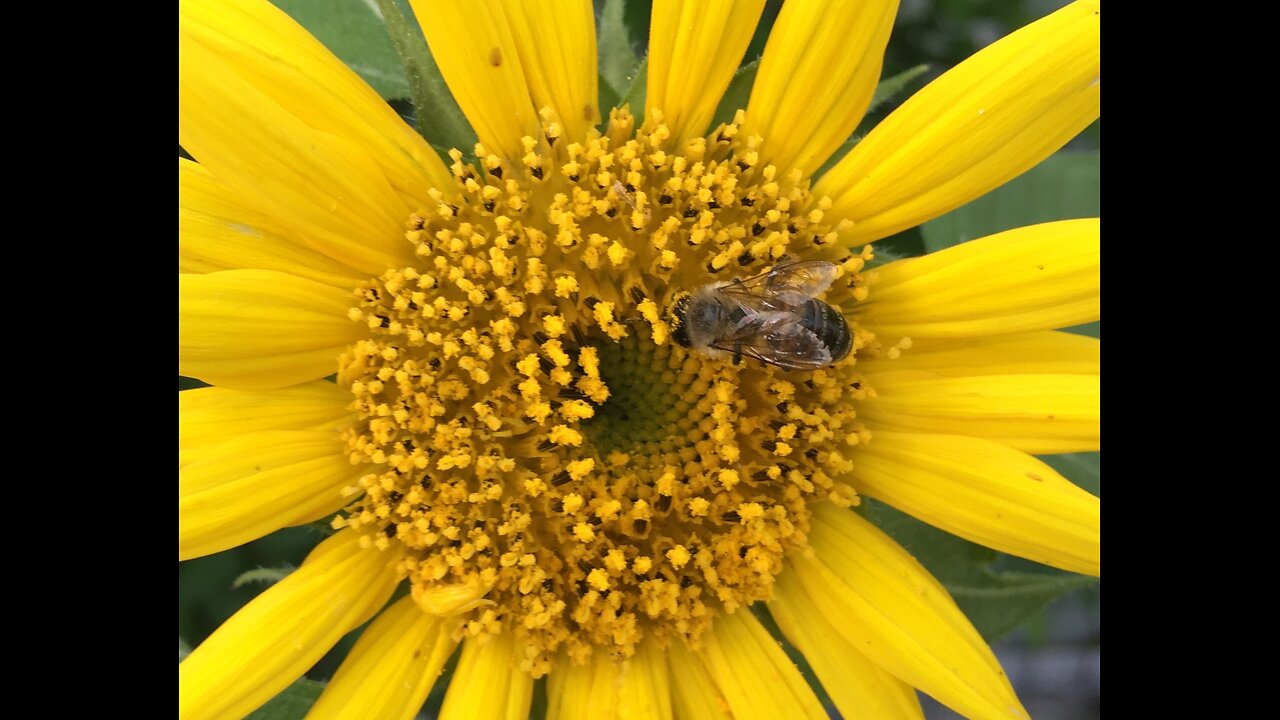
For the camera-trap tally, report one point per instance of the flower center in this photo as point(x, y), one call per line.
point(542, 457)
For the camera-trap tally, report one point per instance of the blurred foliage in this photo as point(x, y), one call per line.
point(292, 702)
point(1062, 187)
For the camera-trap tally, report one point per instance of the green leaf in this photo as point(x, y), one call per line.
point(184, 649)
point(436, 113)
point(186, 383)
point(353, 30)
point(538, 705)
point(1080, 468)
point(268, 576)
point(889, 87)
point(613, 46)
point(738, 93)
point(636, 92)
point(292, 703)
point(1063, 187)
point(638, 15)
point(1004, 600)
point(995, 601)
point(608, 98)
point(1093, 329)
point(908, 243)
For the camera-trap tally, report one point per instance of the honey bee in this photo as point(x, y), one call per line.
point(774, 317)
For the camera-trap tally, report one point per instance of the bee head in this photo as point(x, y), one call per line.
point(676, 318)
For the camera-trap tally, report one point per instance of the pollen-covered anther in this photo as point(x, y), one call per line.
point(538, 456)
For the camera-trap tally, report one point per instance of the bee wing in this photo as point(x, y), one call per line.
point(809, 278)
point(785, 343)
point(759, 322)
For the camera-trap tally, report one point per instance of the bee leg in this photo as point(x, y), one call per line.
point(737, 354)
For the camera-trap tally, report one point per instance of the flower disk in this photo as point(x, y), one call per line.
point(542, 458)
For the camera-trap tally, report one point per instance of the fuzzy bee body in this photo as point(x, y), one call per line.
point(774, 317)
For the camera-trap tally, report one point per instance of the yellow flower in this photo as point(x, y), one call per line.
point(515, 435)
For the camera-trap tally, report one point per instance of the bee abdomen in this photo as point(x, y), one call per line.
point(829, 325)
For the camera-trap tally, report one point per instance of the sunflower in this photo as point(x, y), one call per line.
point(516, 440)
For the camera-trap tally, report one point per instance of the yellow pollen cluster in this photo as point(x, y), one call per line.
point(541, 457)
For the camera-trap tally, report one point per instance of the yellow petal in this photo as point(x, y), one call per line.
point(1038, 277)
point(816, 78)
point(391, 669)
point(1034, 413)
point(582, 691)
point(217, 230)
point(260, 329)
point(637, 688)
point(557, 46)
point(1046, 351)
point(883, 602)
point(272, 113)
point(694, 49)
point(488, 683)
point(281, 633)
point(753, 673)
point(985, 492)
point(207, 417)
point(477, 53)
point(976, 127)
point(645, 690)
point(249, 486)
point(859, 687)
point(694, 694)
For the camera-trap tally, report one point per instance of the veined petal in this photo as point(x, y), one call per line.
point(637, 688)
point(272, 113)
point(694, 49)
point(886, 604)
point(488, 682)
point(260, 329)
point(271, 641)
point(645, 691)
point(477, 53)
point(816, 78)
point(985, 492)
point(978, 126)
point(217, 230)
point(756, 677)
point(859, 687)
point(1046, 351)
point(694, 694)
point(582, 691)
point(391, 669)
point(207, 417)
point(1034, 413)
point(1038, 277)
point(249, 486)
point(557, 46)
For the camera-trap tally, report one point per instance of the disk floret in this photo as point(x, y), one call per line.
point(542, 458)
